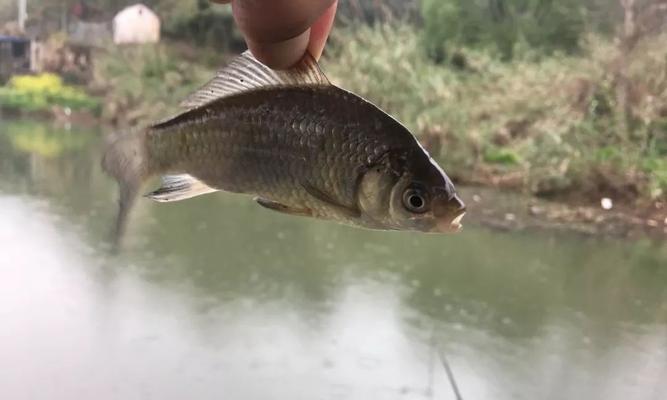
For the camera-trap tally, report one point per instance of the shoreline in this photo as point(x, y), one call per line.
point(489, 205)
point(511, 211)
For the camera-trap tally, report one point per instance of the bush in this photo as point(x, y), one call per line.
point(145, 83)
point(40, 92)
point(502, 26)
point(376, 12)
point(207, 27)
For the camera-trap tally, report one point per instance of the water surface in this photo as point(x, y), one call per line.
point(217, 298)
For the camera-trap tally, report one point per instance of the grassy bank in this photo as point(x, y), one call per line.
point(547, 125)
point(139, 84)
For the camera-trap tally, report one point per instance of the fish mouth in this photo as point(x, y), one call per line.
point(456, 222)
point(451, 226)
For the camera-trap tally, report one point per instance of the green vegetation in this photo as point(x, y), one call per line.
point(144, 83)
point(502, 26)
point(207, 26)
point(550, 125)
point(42, 92)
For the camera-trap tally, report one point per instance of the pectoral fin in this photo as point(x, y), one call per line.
point(330, 201)
point(275, 206)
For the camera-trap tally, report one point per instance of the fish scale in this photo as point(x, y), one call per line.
point(281, 136)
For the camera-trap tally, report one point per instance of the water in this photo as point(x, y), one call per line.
point(216, 298)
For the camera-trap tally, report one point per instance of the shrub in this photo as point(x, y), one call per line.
point(40, 92)
point(145, 83)
point(502, 26)
point(206, 27)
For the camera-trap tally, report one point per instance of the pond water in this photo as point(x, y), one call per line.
point(217, 298)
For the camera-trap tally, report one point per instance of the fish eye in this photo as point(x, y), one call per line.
point(415, 200)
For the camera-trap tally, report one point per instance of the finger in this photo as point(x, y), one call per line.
point(319, 32)
point(278, 32)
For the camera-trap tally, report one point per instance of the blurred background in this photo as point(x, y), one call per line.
point(551, 116)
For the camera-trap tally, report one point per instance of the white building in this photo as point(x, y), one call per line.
point(136, 24)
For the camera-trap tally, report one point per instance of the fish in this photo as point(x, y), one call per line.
point(295, 142)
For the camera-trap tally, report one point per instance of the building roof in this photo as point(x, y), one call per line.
point(138, 9)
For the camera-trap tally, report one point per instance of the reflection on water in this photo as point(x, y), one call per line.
point(218, 298)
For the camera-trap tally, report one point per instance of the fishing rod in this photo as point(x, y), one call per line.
point(435, 348)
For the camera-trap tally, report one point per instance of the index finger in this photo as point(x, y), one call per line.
point(278, 32)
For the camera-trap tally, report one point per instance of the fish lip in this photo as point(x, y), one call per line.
point(451, 226)
point(456, 222)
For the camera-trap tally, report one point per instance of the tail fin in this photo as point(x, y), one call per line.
point(125, 159)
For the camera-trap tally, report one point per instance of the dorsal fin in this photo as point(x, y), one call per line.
point(246, 73)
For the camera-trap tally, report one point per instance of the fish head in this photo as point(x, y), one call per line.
point(416, 195)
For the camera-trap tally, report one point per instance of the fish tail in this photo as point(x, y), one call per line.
point(126, 160)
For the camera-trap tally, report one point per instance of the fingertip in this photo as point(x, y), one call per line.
point(320, 31)
point(283, 54)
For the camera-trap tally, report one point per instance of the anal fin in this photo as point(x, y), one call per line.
point(279, 207)
point(179, 187)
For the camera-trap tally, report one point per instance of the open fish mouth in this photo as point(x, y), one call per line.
point(456, 222)
point(456, 225)
point(452, 226)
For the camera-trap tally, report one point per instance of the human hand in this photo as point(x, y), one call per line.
point(279, 32)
